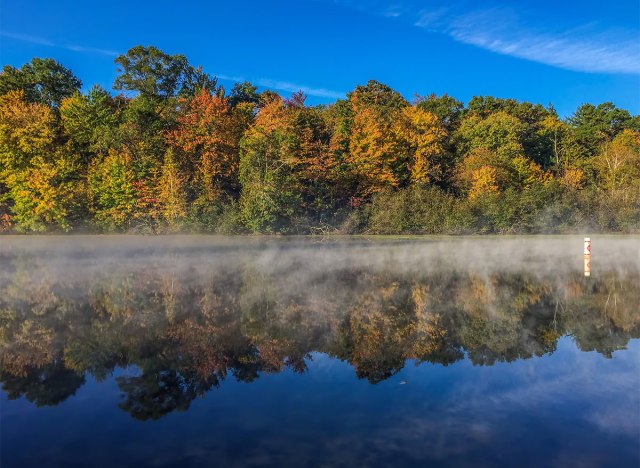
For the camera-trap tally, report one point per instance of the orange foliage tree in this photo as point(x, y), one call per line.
point(208, 134)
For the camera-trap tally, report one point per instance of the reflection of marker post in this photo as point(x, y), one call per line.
point(587, 256)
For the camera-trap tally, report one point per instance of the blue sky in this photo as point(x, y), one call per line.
point(560, 52)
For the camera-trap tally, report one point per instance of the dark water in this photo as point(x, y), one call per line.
point(190, 351)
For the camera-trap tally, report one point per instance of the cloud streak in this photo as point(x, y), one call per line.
point(584, 47)
point(92, 50)
point(578, 49)
point(27, 38)
point(264, 82)
point(287, 86)
point(293, 87)
point(46, 42)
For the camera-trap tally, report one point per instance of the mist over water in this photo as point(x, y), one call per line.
point(537, 254)
point(190, 350)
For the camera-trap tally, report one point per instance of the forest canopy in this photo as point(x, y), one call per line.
point(173, 151)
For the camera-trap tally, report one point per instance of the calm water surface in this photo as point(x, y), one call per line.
point(204, 351)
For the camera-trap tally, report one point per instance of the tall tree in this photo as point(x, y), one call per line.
point(270, 192)
point(153, 73)
point(314, 164)
point(535, 143)
point(566, 154)
point(39, 176)
point(43, 80)
point(208, 133)
point(112, 190)
point(86, 118)
point(618, 164)
point(375, 158)
point(499, 132)
point(424, 138)
point(160, 80)
point(595, 125)
point(448, 109)
point(172, 191)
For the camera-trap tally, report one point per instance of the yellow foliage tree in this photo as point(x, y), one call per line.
point(618, 164)
point(527, 172)
point(482, 170)
point(374, 150)
point(573, 178)
point(26, 130)
point(483, 180)
point(424, 137)
point(42, 194)
point(39, 177)
point(172, 195)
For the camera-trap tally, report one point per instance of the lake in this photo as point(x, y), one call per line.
point(213, 351)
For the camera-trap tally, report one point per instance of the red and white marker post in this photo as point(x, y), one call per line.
point(587, 256)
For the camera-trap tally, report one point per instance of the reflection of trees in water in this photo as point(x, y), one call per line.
point(47, 385)
point(186, 329)
point(154, 394)
point(388, 323)
point(604, 314)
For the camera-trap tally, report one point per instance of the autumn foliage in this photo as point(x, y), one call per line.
point(183, 154)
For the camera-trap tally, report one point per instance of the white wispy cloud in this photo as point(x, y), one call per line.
point(293, 87)
point(27, 38)
point(578, 49)
point(77, 48)
point(431, 19)
point(46, 42)
point(581, 47)
point(287, 86)
point(236, 78)
point(264, 82)
point(393, 11)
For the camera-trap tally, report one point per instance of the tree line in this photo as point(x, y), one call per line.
point(175, 152)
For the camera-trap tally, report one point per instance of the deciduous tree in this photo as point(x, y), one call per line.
point(43, 80)
point(423, 137)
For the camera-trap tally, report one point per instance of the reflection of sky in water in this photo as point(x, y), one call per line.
point(531, 404)
point(570, 408)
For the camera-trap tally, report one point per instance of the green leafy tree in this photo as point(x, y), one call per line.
point(153, 73)
point(43, 80)
point(244, 92)
point(270, 193)
point(448, 109)
point(82, 115)
point(112, 191)
point(499, 132)
point(87, 118)
point(535, 143)
point(595, 125)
